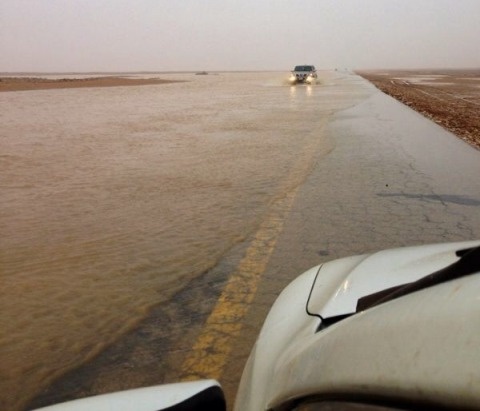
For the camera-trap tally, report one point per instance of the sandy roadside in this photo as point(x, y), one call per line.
point(37, 83)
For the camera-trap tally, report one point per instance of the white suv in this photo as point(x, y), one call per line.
point(303, 74)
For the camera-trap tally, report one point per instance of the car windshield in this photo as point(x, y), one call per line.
point(303, 68)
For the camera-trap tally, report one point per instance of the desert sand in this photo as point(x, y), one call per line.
point(38, 83)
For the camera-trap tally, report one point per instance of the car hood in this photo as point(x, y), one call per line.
point(341, 283)
point(297, 355)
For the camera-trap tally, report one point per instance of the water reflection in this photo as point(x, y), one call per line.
point(293, 91)
point(301, 90)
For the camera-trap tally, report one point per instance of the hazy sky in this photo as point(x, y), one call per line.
point(159, 35)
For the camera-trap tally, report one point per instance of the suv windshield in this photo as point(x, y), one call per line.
point(303, 68)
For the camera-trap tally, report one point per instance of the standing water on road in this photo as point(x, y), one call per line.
point(112, 199)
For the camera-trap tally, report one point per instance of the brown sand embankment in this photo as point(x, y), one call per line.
point(451, 98)
point(37, 83)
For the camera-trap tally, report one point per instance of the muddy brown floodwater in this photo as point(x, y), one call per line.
point(113, 199)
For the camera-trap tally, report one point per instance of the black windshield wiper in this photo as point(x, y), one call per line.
point(469, 263)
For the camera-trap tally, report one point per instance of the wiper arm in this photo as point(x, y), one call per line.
point(469, 263)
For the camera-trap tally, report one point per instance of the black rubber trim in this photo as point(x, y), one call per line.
point(327, 322)
point(211, 399)
point(461, 253)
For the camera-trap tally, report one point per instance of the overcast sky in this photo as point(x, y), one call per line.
point(165, 35)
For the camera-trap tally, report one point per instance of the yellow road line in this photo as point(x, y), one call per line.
point(214, 344)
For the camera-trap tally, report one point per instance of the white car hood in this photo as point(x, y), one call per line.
point(341, 283)
point(292, 358)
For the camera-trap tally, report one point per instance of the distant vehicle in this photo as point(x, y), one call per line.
point(388, 331)
point(303, 74)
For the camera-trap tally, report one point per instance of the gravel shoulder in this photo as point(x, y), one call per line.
point(451, 98)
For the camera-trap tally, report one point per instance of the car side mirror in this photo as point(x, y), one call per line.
point(186, 396)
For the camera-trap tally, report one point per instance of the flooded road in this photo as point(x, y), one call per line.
point(113, 199)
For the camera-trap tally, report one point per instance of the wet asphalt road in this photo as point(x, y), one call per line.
point(392, 179)
point(388, 178)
